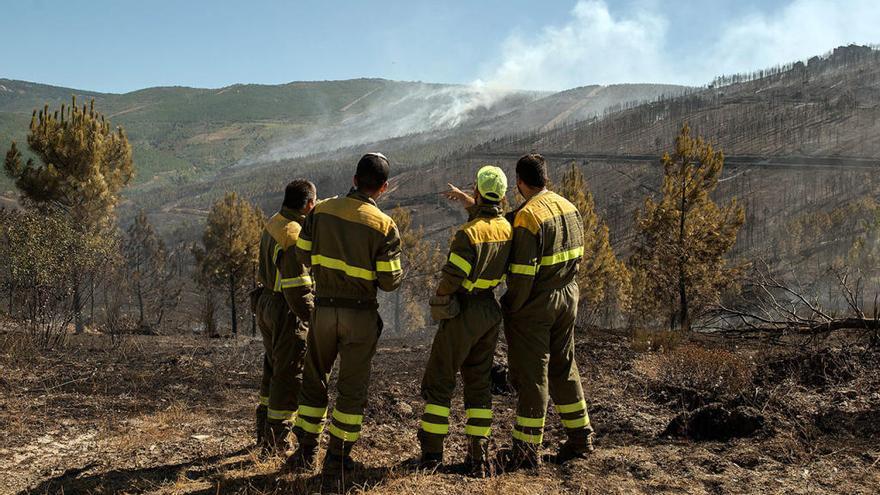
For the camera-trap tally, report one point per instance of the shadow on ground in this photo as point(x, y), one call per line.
point(134, 480)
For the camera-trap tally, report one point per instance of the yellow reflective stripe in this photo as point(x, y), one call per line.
point(481, 283)
point(437, 410)
point(388, 266)
point(288, 283)
point(530, 422)
point(279, 414)
point(277, 286)
point(435, 428)
point(304, 244)
point(576, 423)
point(349, 419)
point(345, 436)
point(335, 264)
point(264, 401)
point(523, 269)
point(525, 437)
point(563, 256)
point(477, 431)
point(275, 253)
point(478, 413)
point(570, 408)
point(461, 263)
point(313, 412)
point(308, 426)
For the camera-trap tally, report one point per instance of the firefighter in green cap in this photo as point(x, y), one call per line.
point(540, 308)
point(282, 305)
point(469, 322)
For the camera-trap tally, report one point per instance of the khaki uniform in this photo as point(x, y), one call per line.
point(477, 264)
point(540, 310)
point(353, 249)
point(283, 310)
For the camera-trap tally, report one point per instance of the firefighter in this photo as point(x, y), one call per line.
point(283, 305)
point(469, 322)
point(540, 308)
point(353, 249)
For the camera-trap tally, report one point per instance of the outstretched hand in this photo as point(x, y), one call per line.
point(459, 196)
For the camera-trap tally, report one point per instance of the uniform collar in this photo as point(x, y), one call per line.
point(488, 211)
point(291, 214)
point(360, 196)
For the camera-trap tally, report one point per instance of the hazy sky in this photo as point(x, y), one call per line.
point(551, 44)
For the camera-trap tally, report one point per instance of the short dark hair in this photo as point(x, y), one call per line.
point(372, 172)
point(298, 193)
point(532, 169)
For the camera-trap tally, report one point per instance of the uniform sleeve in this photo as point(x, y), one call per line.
point(389, 272)
point(296, 284)
point(462, 257)
point(524, 255)
point(303, 250)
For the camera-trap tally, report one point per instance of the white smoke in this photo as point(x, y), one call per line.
point(596, 47)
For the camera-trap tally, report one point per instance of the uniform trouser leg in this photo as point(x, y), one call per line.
point(352, 334)
point(266, 333)
point(287, 362)
point(564, 379)
point(542, 363)
point(466, 343)
point(528, 345)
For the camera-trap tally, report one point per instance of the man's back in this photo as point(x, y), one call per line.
point(352, 247)
point(548, 243)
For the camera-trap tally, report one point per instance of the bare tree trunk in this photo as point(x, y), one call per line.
point(253, 286)
point(232, 304)
point(682, 286)
point(77, 303)
point(140, 298)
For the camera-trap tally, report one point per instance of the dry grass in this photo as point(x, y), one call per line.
point(173, 416)
point(716, 372)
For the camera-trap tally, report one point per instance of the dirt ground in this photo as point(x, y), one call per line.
point(174, 415)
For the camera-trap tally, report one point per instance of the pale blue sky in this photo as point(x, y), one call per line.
point(121, 45)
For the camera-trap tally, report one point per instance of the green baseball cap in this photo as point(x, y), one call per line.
point(492, 183)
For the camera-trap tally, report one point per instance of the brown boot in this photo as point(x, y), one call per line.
point(578, 446)
point(477, 461)
point(302, 460)
point(277, 437)
point(521, 456)
point(261, 426)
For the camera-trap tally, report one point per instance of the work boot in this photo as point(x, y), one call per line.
point(277, 437)
point(477, 460)
point(302, 460)
point(335, 465)
point(260, 426)
point(432, 450)
point(578, 446)
point(521, 456)
point(431, 460)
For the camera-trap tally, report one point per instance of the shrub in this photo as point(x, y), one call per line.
point(709, 373)
point(655, 340)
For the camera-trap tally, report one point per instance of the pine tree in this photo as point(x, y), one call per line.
point(421, 261)
point(603, 279)
point(150, 273)
point(678, 261)
point(82, 165)
point(230, 247)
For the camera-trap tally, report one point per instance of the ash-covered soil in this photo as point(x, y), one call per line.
point(174, 415)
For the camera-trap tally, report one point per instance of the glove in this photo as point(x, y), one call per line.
point(444, 307)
